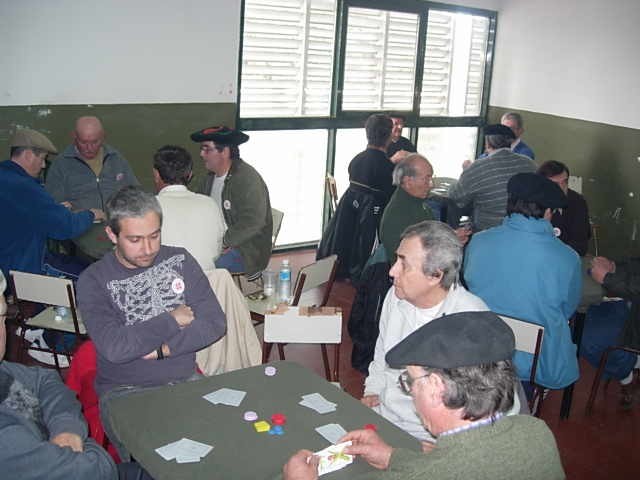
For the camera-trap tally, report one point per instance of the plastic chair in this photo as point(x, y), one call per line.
point(529, 338)
point(321, 272)
point(50, 292)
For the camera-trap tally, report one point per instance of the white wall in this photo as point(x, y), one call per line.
point(118, 51)
point(572, 58)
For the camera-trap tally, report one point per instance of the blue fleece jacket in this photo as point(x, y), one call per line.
point(29, 215)
point(522, 270)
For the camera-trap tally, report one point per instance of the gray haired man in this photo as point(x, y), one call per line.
point(425, 287)
point(147, 307)
point(459, 377)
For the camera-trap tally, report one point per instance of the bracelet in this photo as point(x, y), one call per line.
point(160, 354)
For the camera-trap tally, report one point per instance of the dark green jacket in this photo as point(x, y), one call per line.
point(402, 211)
point(519, 447)
point(247, 213)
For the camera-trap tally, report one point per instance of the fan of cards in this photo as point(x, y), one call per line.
point(333, 458)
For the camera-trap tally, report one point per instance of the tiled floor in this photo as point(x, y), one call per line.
point(605, 445)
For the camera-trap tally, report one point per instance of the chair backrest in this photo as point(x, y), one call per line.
point(43, 289)
point(277, 217)
point(332, 189)
point(528, 337)
point(312, 276)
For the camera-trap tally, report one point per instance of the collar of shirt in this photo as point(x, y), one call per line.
point(470, 426)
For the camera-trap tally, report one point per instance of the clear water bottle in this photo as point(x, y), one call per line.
point(61, 312)
point(284, 282)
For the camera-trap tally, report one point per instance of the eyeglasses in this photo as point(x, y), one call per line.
point(405, 381)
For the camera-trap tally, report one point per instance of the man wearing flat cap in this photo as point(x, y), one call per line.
point(483, 185)
point(243, 197)
point(459, 375)
point(521, 269)
point(31, 215)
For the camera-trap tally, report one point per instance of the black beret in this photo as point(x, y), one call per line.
point(498, 129)
point(221, 135)
point(532, 187)
point(458, 340)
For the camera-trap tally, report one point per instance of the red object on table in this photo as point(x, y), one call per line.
point(371, 426)
point(278, 419)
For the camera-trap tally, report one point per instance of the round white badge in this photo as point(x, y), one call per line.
point(177, 285)
point(557, 232)
point(227, 205)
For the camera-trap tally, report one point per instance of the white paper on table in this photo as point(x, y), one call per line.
point(332, 432)
point(184, 451)
point(226, 396)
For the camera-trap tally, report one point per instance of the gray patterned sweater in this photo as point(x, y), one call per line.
point(126, 314)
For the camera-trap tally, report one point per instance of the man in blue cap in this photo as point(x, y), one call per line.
point(460, 377)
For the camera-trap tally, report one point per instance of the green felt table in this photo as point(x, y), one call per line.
point(151, 419)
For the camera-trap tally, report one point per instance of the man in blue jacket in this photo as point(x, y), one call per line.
point(521, 269)
point(30, 215)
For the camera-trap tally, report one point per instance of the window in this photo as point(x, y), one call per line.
point(313, 70)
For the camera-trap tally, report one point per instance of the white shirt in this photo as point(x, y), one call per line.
point(192, 221)
point(398, 320)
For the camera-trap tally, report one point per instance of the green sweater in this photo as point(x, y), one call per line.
point(402, 211)
point(519, 447)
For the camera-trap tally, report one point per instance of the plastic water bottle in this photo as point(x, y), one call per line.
point(284, 284)
point(61, 312)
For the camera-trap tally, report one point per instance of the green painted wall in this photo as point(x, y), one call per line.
point(137, 130)
point(608, 160)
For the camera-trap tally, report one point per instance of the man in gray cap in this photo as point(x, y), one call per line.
point(521, 269)
point(244, 198)
point(31, 214)
point(483, 185)
point(460, 377)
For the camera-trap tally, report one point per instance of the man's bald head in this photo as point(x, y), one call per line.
point(88, 136)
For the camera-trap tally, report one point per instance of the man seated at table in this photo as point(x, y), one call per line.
point(30, 215)
point(460, 378)
point(147, 307)
point(425, 287)
point(189, 220)
point(570, 224)
point(243, 195)
point(42, 431)
point(89, 171)
point(483, 185)
point(522, 270)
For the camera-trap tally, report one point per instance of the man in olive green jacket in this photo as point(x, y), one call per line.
point(460, 376)
point(243, 197)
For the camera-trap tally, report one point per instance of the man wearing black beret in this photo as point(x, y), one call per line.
point(243, 197)
point(483, 185)
point(460, 377)
point(521, 269)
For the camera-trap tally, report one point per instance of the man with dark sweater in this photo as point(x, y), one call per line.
point(400, 146)
point(148, 308)
point(459, 374)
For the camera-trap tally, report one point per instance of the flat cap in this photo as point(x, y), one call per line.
point(221, 135)
point(25, 137)
point(533, 187)
point(498, 129)
point(457, 340)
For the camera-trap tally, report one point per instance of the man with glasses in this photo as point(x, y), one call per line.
point(89, 171)
point(30, 215)
point(425, 287)
point(460, 377)
point(521, 269)
point(243, 197)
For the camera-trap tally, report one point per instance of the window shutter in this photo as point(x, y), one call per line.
point(287, 58)
point(379, 60)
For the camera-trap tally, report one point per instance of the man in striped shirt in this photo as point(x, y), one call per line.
point(483, 185)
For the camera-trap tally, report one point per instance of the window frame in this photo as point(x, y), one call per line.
point(339, 118)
